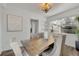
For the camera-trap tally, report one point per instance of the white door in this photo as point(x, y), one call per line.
point(34, 27)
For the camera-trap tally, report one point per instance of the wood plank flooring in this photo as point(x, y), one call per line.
point(67, 51)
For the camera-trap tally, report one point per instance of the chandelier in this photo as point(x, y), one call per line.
point(45, 7)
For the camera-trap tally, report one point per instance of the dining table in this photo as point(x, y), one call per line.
point(36, 46)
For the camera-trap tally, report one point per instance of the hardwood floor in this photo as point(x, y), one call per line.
point(67, 51)
point(8, 53)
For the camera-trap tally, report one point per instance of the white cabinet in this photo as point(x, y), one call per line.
point(70, 39)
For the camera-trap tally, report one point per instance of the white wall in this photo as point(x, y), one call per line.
point(0, 29)
point(25, 34)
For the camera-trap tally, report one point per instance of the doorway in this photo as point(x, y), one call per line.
point(34, 27)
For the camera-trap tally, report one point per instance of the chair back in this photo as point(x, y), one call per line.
point(16, 48)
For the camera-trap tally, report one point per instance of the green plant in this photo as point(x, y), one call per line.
point(77, 18)
point(77, 31)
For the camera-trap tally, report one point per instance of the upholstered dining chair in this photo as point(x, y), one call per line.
point(17, 50)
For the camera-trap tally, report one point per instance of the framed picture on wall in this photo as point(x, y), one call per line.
point(14, 23)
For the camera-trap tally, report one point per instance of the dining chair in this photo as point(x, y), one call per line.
point(17, 50)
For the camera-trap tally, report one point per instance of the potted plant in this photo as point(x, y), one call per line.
point(77, 28)
point(77, 32)
point(77, 18)
point(77, 42)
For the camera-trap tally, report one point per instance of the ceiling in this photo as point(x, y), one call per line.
point(35, 8)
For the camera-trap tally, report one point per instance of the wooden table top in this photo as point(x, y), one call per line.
point(35, 47)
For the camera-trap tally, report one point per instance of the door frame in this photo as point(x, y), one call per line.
point(35, 20)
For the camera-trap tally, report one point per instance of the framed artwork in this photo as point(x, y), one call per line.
point(14, 23)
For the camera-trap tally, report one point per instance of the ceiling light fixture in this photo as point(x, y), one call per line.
point(45, 7)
